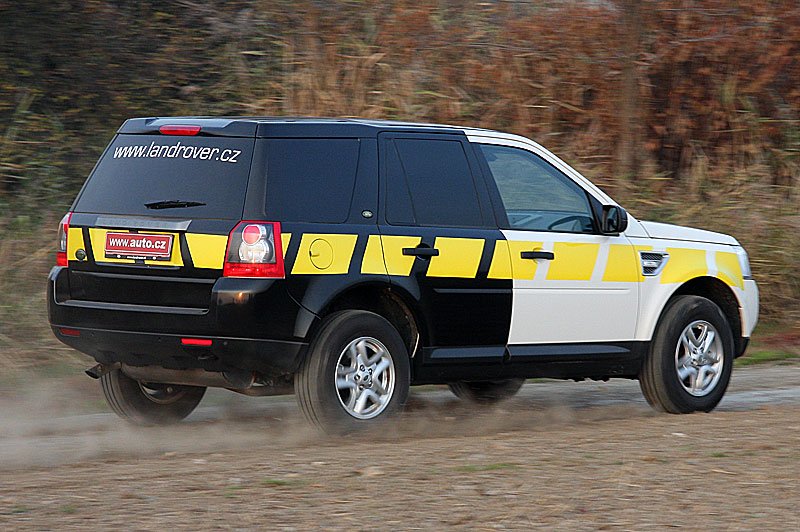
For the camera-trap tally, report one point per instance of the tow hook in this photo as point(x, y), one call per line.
point(101, 369)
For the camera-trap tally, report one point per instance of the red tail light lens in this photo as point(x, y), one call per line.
point(63, 233)
point(197, 342)
point(254, 250)
point(186, 131)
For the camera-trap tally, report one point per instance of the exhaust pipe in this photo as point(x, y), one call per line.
point(235, 380)
point(101, 369)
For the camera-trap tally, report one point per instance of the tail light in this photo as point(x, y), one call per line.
point(63, 233)
point(254, 250)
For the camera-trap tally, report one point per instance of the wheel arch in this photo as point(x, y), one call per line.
point(386, 300)
point(720, 294)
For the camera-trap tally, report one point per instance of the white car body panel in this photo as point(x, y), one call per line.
point(689, 234)
point(548, 310)
point(594, 310)
point(687, 261)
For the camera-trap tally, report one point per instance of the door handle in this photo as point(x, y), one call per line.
point(533, 255)
point(421, 251)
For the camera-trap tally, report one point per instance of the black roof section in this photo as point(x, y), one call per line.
point(249, 126)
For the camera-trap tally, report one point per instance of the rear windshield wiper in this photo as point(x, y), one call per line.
point(173, 204)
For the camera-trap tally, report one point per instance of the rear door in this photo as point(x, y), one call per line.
point(150, 226)
point(438, 239)
point(324, 191)
point(572, 285)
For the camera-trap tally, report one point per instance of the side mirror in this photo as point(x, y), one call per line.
point(615, 220)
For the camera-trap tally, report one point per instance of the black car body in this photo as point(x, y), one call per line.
point(220, 246)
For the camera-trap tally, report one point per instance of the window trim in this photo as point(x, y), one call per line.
point(497, 201)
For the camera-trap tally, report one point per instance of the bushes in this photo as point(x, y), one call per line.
point(712, 140)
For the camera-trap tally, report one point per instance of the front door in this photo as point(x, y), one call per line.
point(572, 285)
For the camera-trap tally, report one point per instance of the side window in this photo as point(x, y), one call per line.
point(536, 196)
point(399, 210)
point(311, 180)
point(430, 183)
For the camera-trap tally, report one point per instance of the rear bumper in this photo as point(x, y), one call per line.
point(269, 357)
point(253, 325)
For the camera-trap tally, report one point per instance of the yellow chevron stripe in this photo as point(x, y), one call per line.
point(684, 264)
point(523, 269)
point(574, 261)
point(623, 265)
point(74, 242)
point(458, 257)
point(396, 262)
point(207, 251)
point(501, 261)
point(372, 263)
point(324, 254)
point(729, 269)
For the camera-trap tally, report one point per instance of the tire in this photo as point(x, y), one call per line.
point(355, 374)
point(151, 404)
point(486, 392)
point(686, 369)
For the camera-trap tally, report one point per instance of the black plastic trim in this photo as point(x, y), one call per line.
point(269, 357)
point(128, 307)
point(576, 361)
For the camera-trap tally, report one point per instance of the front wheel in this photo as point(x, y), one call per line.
point(149, 404)
point(691, 358)
point(356, 372)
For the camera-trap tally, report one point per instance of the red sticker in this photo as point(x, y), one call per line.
point(138, 246)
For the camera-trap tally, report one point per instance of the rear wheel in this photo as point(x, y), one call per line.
point(146, 403)
point(691, 358)
point(486, 392)
point(356, 372)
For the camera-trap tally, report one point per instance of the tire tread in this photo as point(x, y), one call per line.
point(656, 376)
point(311, 373)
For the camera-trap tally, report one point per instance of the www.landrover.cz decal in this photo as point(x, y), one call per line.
point(174, 151)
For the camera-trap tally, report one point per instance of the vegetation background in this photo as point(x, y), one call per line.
point(684, 111)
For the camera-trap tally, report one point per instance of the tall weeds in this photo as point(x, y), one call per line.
point(719, 120)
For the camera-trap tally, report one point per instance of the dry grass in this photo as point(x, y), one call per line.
point(736, 197)
point(549, 71)
point(25, 337)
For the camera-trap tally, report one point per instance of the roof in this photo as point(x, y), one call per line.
point(257, 126)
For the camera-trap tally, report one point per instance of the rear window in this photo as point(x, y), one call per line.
point(197, 177)
point(311, 180)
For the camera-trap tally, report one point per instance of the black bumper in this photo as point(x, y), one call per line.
point(270, 357)
point(253, 325)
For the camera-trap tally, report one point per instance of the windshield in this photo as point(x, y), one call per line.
point(197, 177)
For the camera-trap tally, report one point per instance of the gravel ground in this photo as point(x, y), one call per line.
point(560, 456)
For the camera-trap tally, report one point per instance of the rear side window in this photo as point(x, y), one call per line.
point(311, 180)
point(186, 177)
point(430, 183)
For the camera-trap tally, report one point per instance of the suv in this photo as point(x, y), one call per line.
point(349, 259)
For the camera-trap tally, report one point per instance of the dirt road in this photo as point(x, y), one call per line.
point(560, 455)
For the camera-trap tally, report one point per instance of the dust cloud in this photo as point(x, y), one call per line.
point(46, 422)
point(64, 421)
